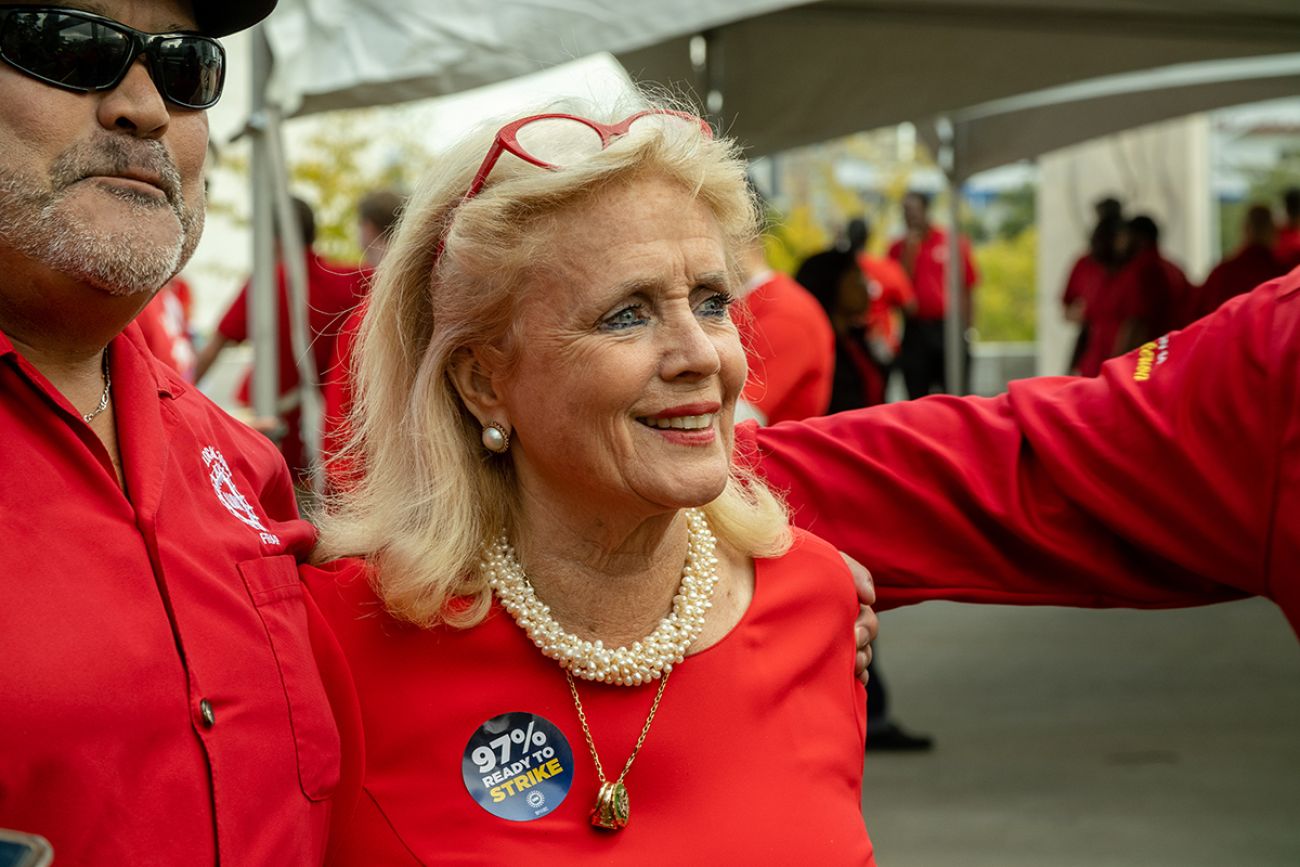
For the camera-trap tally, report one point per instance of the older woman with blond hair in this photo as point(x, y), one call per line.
point(578, 628)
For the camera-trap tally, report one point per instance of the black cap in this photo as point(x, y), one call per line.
point(224, 17)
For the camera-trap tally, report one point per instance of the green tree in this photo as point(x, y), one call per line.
point(1019, 212)
point(332, 167)
point(793, 237)
point(1004, 300)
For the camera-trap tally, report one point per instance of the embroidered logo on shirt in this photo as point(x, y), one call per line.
point(223, 484)
point(1150, 355)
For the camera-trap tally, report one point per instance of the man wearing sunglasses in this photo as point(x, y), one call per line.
point(165, 691)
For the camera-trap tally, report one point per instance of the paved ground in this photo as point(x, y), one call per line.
point(1106, 739)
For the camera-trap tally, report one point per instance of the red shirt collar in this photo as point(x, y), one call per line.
point(168, 383)
point(131, 340)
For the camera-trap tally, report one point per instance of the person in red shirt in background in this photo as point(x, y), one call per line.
point(1143, 231)
point(377, 214)
point(165, 325)
point(1254, 263)
point(1092, 273)
point(923, 253)
point(788, 343)
point(892, 299)
point(333, 290)
point(1288, 234)
point(836, 280)
point(1147, 298)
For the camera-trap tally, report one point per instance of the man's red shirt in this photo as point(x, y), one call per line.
point(1287, 246)
point(927, 265)
point(1087, 279)
point(1149, 290)
point(167, 686)
point(1250, 266)
point(333, 290)
point(337, 387)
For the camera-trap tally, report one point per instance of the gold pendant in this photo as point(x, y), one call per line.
point(611, 811)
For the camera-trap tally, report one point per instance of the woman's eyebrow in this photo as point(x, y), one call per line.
point(714, 279)
point(650, 285)
point(635, 286)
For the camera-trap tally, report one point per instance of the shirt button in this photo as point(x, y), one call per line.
point(205, 711)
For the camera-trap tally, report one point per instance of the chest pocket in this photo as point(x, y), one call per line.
point(278, 596)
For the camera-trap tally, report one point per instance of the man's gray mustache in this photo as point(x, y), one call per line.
point(114, 156)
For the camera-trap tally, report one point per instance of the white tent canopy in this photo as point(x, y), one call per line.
point(1003, 131)
point(354, 53)
point(791, 73)
point(781, 74)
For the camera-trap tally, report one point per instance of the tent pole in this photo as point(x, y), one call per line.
point(294, 255)
point(262, 312)
point(954, 321)
point(713, 72)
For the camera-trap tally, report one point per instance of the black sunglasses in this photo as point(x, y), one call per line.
point(84, 52)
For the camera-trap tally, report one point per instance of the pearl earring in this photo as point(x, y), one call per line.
point(496, 438)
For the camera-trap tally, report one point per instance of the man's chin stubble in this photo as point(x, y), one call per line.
point(117, 260)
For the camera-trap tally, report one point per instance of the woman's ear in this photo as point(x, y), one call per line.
point(476, 386)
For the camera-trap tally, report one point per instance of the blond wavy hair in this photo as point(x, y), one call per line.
point(425, 499)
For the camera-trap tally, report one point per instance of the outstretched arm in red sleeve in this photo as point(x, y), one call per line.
point(1172, 479)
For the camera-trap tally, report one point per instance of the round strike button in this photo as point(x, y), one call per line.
point(518, 766)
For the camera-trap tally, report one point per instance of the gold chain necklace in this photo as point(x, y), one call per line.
point(612, 808)
point(88, 417)
point(652, 657)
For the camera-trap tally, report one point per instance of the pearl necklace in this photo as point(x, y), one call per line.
point(647, 659)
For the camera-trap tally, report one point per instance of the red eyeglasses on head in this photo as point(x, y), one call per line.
point(552, 141)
